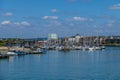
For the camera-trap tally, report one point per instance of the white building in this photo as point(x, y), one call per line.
point(52, 36)
point(77, 38)
point(71, 39)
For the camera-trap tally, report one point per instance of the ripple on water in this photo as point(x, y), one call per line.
point(55, 65)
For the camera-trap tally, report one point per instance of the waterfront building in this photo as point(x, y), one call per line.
point(52, 40)
point(42, 43)
point(71, 39)
point(77, 39)
point(113, 40)
point(52, 36)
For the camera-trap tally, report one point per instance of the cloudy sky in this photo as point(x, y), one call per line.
point(38, 18)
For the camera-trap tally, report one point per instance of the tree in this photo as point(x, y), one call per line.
point(1, 43)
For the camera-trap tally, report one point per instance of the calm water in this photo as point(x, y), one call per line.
point(55, 65)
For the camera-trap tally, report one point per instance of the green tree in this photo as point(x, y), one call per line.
point(1, 43)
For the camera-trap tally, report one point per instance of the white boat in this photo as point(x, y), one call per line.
point(103, 47)
point(78, 47)
point(84, 48)
point(91, 48)
point(39, 51)
point(10, 53)
point(20, 52)
point(64, 48)
point(98, 48)
point(60, 48)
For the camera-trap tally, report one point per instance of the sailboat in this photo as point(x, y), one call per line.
point(91, 44)
point(97, 47)
point(85, 47)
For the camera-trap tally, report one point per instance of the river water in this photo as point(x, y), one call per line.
point(55, 65)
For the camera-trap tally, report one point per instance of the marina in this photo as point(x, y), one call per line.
point(59, 65)
point(16, 47)
point(59, 40)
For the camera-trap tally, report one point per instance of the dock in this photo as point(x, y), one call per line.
point(4, 56)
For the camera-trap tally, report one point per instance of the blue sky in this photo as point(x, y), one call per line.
point(38, 18)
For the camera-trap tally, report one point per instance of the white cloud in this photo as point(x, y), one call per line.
point(8, 23)
point(23, 23)
point(79, 18)
point(5, 23)
point(115, 7)
point(50, 17)
point(54, 10)
point(8, 14)
point(45, 17)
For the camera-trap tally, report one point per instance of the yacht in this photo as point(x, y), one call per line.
point(39, 51)
point(11, 53)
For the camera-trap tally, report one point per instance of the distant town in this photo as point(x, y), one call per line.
point(54, 40)
point(13, 46)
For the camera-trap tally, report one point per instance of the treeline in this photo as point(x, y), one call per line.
point(10, 41)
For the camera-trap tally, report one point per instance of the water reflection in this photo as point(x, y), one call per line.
point(55, 65)
point(11, 59)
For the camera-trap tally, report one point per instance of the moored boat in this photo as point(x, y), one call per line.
point(63, 48)
point(98, 48)
point(11, 53)
point(39, 51)
point(91, 48)
point(19, 52)
point(103, 47)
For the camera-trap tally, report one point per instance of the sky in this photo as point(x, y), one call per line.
point(38, 18)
